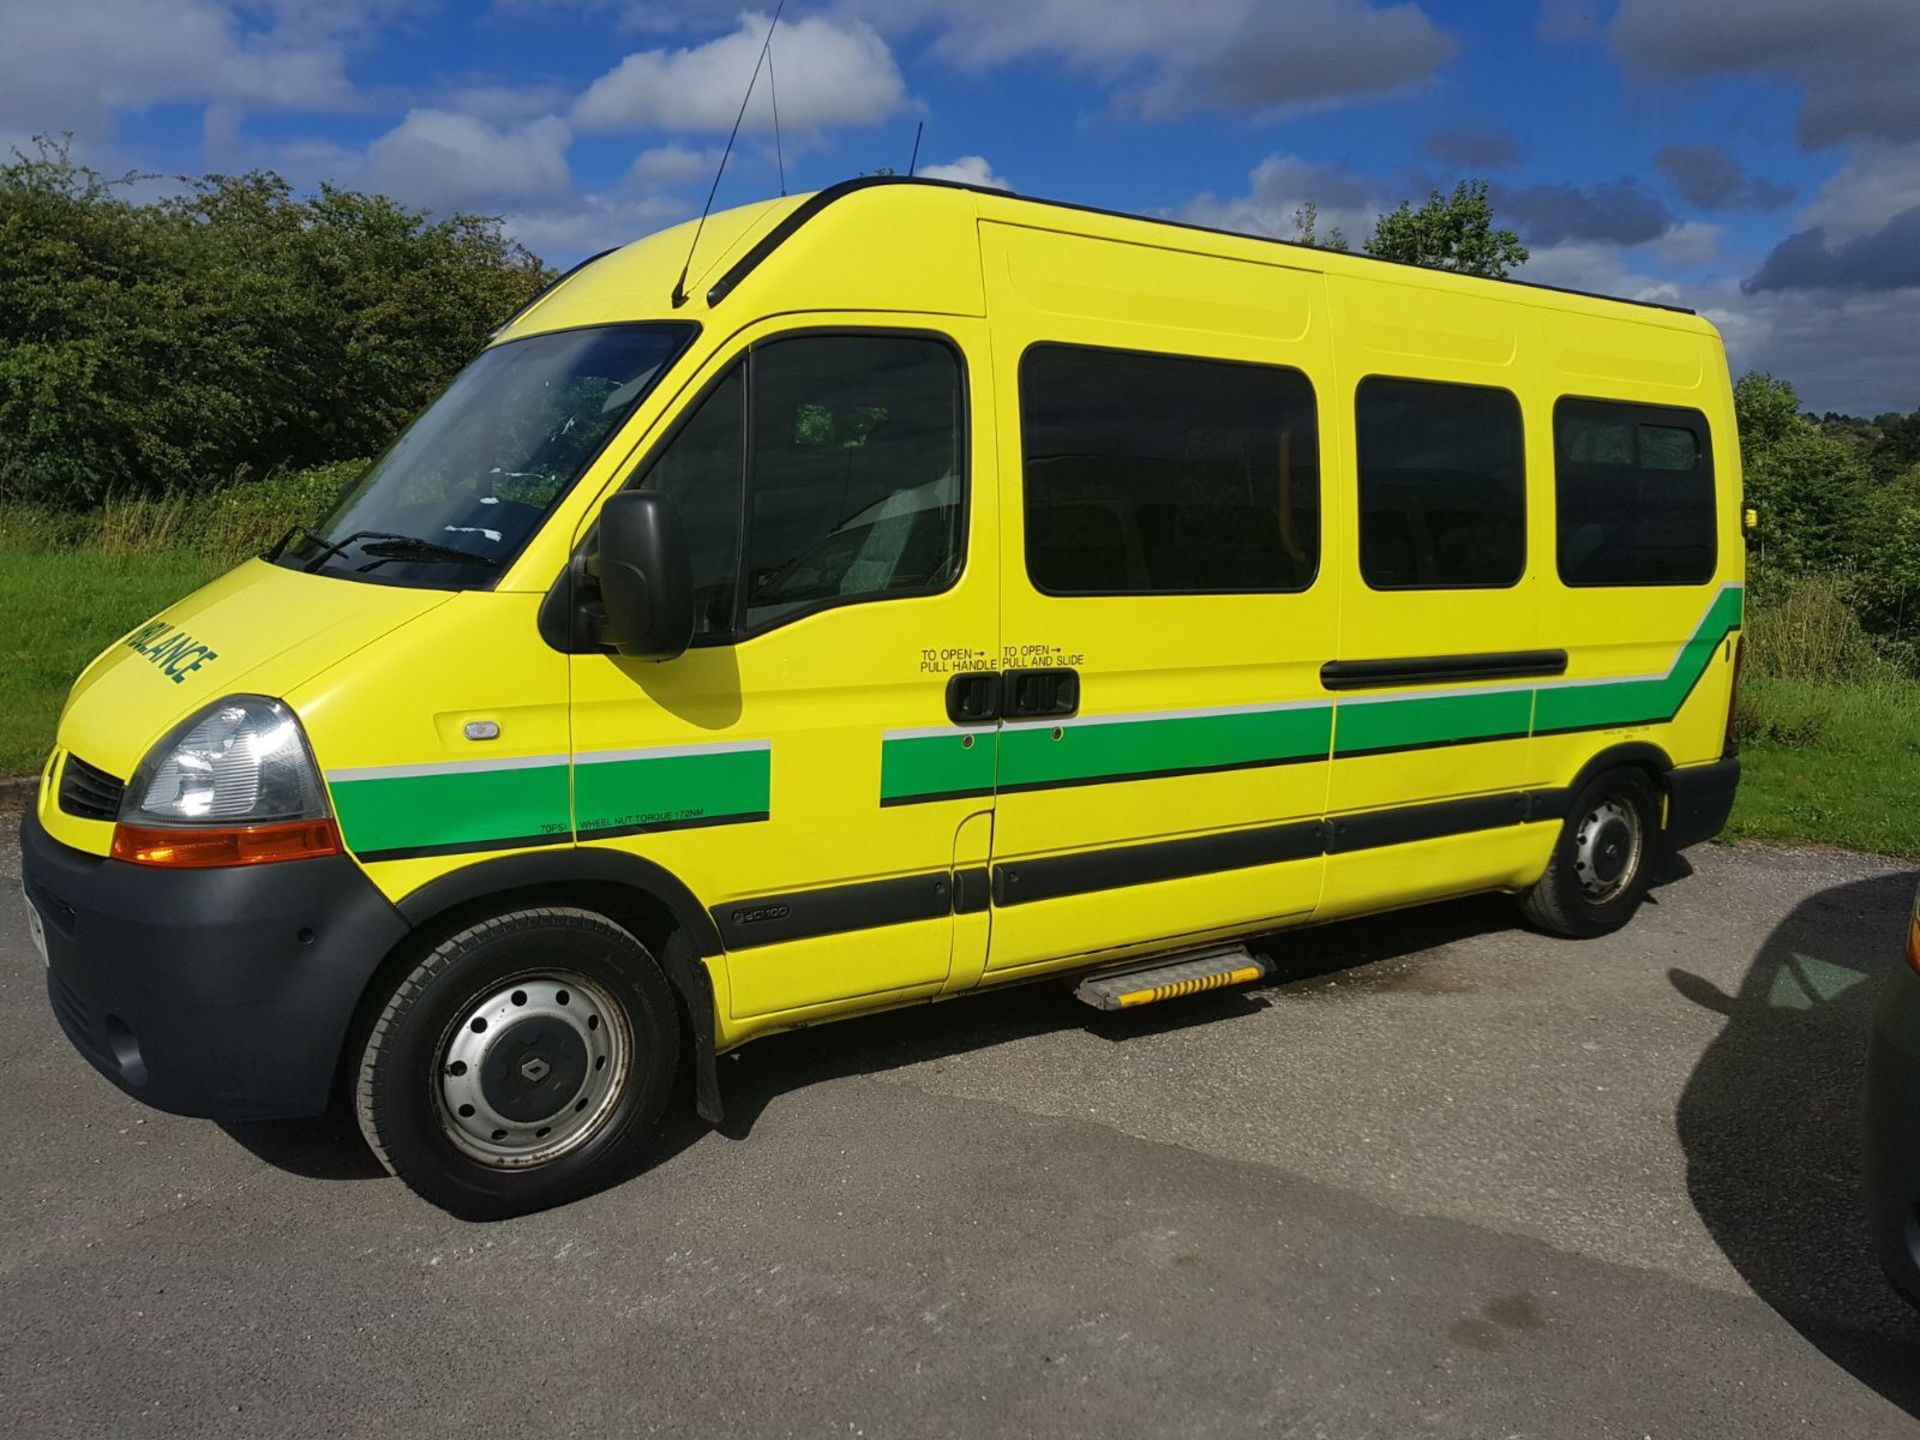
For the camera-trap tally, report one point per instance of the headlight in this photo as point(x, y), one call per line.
point(241, 761)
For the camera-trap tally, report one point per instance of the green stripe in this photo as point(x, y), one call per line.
point(1431, 720)
point(474, 808)
point(673, 789)
point(1598, 705)
point(924, 767)
point(460, 807)
point(1118, 749)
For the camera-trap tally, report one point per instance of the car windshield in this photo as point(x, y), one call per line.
point(456, 496)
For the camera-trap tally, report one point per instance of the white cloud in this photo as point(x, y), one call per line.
point(444, 161)
point(1281, 186)
point(1878, 181)
point(672, 165)
point(1689, 245)
point(968, 170)
point(827, 72)
point(1165, 58)
point(561, 234)
point(72, 66)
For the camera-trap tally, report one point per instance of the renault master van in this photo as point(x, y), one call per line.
point(916, 590)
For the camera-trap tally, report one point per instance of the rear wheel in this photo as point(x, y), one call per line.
point(519, 1064)
point(1599, 871)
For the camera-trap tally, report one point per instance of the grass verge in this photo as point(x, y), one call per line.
point(1835, 763)
point(60, 608)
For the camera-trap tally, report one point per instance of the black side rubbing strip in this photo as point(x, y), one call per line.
point(804, 914)
point(1442, 669)
point(810, 913)
point(1053, 877)
point(970, 890)
point(1424, 822)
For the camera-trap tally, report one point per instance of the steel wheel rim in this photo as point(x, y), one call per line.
point(531, 1070)
point(1607, 849)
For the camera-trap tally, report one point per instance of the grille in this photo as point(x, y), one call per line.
point(90, 793)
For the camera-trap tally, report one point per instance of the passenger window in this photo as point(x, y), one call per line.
point(1442, 485)
point(854, 485)
point(1156, 474)
point(858, 486)
point(702, 469)
point(1634, 487)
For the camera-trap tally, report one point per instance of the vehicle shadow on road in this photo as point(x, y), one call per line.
point(757, 1075)
point(1771, 1123)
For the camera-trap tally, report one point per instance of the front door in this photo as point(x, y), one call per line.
point(796, 768)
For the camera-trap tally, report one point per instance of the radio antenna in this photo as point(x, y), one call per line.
point(680, 285)
point(773, 94)
point(914, 163)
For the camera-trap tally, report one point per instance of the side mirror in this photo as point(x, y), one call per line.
point(646, 580)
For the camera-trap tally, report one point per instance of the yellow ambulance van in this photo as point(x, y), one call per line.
point(917, 590)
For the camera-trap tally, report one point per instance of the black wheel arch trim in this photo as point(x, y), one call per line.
point(572, 865)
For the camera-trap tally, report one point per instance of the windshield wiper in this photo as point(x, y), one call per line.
point(303, 532)
point(383, 545)
point(413, 547)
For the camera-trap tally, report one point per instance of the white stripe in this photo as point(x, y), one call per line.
point(1141, 716)
point(938, 732)
point(1392, 696)
point(446, 767)
point(669, 752)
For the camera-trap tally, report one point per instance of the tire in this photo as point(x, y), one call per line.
point(1602, 859)
point(520, 1064)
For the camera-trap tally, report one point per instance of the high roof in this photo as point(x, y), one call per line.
point(644, 279)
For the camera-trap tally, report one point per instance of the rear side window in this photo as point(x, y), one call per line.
point(1443, 489)
point(1163, 475)
point(1634, 486)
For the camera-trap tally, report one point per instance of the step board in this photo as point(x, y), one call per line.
point(1171, 977)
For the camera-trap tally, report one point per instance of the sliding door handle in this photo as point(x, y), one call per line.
point(1040, 694)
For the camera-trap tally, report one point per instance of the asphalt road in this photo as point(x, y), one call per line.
point(1446, 1178)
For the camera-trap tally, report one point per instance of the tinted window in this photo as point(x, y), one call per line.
point(1442, 485)
point(1156, 474)
point(1635, 494)
point(849, 451)
point(457, 495)
point(702, 468)
point(856, 473)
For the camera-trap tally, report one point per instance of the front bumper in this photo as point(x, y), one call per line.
point(220, 993)
point(1893, 1131)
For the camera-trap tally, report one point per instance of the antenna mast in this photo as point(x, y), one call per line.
point(914, 163)
point(680, 285)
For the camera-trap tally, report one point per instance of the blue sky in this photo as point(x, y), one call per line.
point(1759, 161)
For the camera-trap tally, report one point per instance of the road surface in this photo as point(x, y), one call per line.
point(1444, 1177)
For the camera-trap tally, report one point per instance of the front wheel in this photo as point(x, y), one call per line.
point(1602, 859)
point(517, 1066)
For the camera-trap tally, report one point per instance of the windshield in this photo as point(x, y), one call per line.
point(458, 494)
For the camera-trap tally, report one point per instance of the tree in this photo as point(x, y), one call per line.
point(1306, 226)
point(1449, 233)
point(1767, 411)
point(1812, 487)
point(233, 328)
